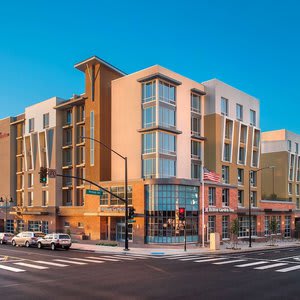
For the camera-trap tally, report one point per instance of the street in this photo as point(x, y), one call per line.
point(44, 274)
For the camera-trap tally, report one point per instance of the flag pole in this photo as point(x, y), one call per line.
point(202, 200)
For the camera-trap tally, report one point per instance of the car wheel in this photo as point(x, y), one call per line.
point(53, 246)
point(67, 248)
point(14, 243)
point(40, 245)
point(27, 244)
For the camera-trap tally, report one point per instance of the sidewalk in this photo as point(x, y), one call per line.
point(178, 249)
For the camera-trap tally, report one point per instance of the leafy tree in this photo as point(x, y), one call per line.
point(234, 230)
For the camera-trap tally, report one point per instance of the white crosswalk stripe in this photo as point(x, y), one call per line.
point(193, 258)
point(252, 264)
point(11, 269)
point(30, 266)
point(270, 266)
point(178, 257)
point(70, 262)
point(122, 257)
point(289, 269)
point(102, 258)
point(89, 260)
point(210, 259)
point(51, 263)
point(229, 262)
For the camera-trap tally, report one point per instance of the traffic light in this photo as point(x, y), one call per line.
point(131, 211)
point(43, 175)
point(181, 213)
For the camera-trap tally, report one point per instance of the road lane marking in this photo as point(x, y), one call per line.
point(88, 260)
point(7, 268)
point(289, 257)
point(288, 269)
point(125, 258)
point(178, 257)
point(193, 257)
point(228, 262)
point(210, 259)
point(102, 258)
point(261, 253)
point(270, 266)
point(30, 266)
point(51, 263)
point(70, 262)
point(252, 264)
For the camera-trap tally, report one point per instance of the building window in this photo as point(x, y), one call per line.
point(239, 112)
point(289, 145)
point(67, 198)
point(66, 224)
point(149, 168)
point(252, 117)
point(69, 117)
point(243, 137)
point(225, 227)
point(242, 155)
point(149, 117)
point(291, 170)
point(225, 174)
point(267, 222)
point(195, 103)
point(30, 198)
point(196, 126)
point(256, 138)
point(120, 191)
point(253, 178)
point(225, 197)
point(166, 92)
point(228, 129)
point(253, 198)
point(297, 148)
point(167, 168)
point(20, 225)
point(298, 203)
point(46, 120)
point(149, 143)
point(92, 135)
point(149, 91)
point(80, 113)
point(297, 189)
point(104, 199)
point(166, 117)
point(196, 171)
point(241, 198)
point(9, 226)
point(290, 186)
point(244, 226)
point(167, 143)
point(80, 225)
point(211, 224)
point(31, 125)
point(195, 150)
point(67, 157)
point(30, 180)
point(44, 198)
point(240, 176)
point(212, 196)
point(287, 226)
point(224, 106)
point(227, 152)
point(67, 137)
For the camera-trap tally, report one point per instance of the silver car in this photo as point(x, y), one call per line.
point(55, 240)
point(6, 237)
point(27, 238)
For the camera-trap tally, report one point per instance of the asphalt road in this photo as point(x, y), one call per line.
point(45, 274)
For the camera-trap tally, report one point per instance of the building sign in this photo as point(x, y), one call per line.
point(112, 211)
point(3, 135)
point(218, 210)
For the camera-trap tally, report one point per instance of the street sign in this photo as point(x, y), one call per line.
point(51, 173)
point(94, 192)
point(131, 221)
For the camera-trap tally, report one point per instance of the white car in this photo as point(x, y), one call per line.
point(55, 240)
point(6, 237)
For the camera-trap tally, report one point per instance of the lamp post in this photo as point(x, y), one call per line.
point(6, 200)
point(250, 221)
point(126, 248)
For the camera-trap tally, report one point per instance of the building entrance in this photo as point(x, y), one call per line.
point(121, 232)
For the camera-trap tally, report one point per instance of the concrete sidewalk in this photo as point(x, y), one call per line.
point(191, 249)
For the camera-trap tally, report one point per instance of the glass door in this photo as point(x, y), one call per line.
point(121, 232)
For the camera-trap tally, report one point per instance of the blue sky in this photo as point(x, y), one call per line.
point(252, 45)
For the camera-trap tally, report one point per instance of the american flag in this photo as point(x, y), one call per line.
point(210, 175)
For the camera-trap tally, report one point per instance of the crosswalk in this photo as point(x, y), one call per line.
point(238, 262)
point(24, 265)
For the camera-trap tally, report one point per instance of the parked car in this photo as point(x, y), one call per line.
point(27, 238)
point(55, 240)
point(6, 237)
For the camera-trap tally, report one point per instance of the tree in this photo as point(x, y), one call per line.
point(234, 230)
point(273, 230)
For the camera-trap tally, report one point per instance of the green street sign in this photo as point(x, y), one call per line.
point(94, 192)
point(131, 221)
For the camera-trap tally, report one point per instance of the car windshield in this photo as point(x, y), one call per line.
point(64, 236)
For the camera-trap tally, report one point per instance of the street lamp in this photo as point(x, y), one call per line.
point(6, 200)
point(250, 221)
point(126, 186)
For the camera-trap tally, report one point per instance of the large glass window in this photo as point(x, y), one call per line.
point(239, 112)
point(195, 103)
point(253, 178)
point(224, 106)
point(241, 198)
point(225, 227)
point(167, 143)
point(149, 167)
point(252, 117)
point(120, 191)
point(167, 92)
point(211, 224)
point(227, 152)
point(287, 226)
point(162, 223)
point(167, 168)
point(167, 117)
point(92, 135)
point(195, 150)
point(225, 174)
point(149, 117)
point(212, 196)
point(31, 125)
point(196, 171)
point(9, 226)
point(149, 91)
point(196, 125)
point(149, 143)
point(242, 155)
point(244, 226)
point(46, 120)
point(69, 117)
point(225, 197)
point(240, 176)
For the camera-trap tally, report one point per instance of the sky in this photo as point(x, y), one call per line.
point(251, 45)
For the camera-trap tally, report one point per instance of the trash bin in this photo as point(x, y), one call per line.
point(214, 241)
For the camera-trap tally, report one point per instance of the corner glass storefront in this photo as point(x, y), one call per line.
point(162, 221)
